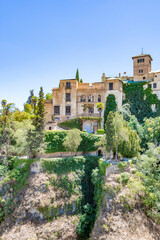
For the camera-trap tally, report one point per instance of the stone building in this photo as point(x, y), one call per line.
point(73, 99)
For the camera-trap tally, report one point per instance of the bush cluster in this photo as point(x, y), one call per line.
point(55, 139)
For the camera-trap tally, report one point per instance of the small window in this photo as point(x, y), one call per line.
point(150, 61)
point(91, 98)
point(68, 85)
point(140, 71)
point(110, 86)
point(68, 97)
point(154, 85)
point(83, 98)
point(50, 128)
point(56, 110)
point(144, 78)
point(99, 98)
point(91, 110)
point(140, 60)
point(68, 110)
point(155, 75)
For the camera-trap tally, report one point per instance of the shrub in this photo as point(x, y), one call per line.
point(124, 177)
point(55, 139)
point(100, 131)
point(122, 165)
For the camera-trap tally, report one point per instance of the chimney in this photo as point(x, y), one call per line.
point(103, 77)
point(119, 75)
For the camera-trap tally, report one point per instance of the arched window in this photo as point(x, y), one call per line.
point(99, 98)
point(90, 98)
point(83, 98)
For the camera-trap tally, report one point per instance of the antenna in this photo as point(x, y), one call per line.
point(142, 50)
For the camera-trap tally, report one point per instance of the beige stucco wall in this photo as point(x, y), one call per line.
point(76, 91)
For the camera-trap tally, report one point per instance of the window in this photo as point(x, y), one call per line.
point(56, 110)
point(90, 98)
point(150, 61)
point(99, 98)
point(140, 71)
point(144, 78)
point(68, 110)
point(91, 110)
point(155, 75)
point(83, 98)
point(140, 60)
point(110, 86)
point(68, 97)
point(50, 128)
point(154, 85)
point(68, 85)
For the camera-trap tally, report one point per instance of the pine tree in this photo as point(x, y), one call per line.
point(77, 75)
point(111, 105)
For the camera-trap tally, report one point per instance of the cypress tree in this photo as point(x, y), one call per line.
point(29, 101)
point(39, 121)
point(81, 81)
point(111, 105)
point(110, 132)
point(36, 136)
point(77, 75)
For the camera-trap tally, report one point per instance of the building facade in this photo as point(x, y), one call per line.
point(74, 99)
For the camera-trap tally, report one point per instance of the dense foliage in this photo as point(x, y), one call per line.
point(148, 165)
point(120, 138)
point(55, 139)
point(111, 105)
point(89, 174)
point(70, 124)
point(141, 99)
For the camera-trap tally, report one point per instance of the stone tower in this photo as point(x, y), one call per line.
point(141, 66)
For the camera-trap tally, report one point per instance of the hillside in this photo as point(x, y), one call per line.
point(52, 202)
point(122, 216)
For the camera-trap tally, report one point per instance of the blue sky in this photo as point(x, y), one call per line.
point(43, 41)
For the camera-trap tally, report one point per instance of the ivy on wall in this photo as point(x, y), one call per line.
point(140, 99)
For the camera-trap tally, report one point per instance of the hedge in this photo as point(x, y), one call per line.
point(55, 139)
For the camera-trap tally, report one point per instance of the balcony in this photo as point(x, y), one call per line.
point(89, 115)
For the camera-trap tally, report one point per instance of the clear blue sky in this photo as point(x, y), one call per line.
point(43, 41)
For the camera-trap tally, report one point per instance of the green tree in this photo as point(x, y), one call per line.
point(36, 143)
point(48, 96)
point(72, 140)
point(110, 132)
point(81, 81)
point(77, 75)
point(6, 129)
point(20, 116)
point(28, 108)
point(120, 131)
point(100, 108)
point(111, 105)
point(130, 147)
point(29, 101)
